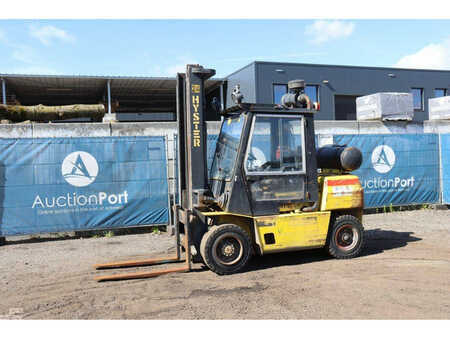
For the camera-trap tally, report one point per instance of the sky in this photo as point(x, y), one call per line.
point(164, 47)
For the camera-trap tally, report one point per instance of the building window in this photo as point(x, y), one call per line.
point(278, 91)
point(417, 94)
point(439, 92)
point(313, 92)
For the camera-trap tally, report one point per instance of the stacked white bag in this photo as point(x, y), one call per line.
point(439, 108)
point(385, 106)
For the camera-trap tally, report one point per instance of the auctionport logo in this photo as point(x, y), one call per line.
point(79, 169)
point(383, 159)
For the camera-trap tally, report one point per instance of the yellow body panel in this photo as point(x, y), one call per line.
point(297, 230)
point(223, 217)
point(292, 231)
point(341, 192)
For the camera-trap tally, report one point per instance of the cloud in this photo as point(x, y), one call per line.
point(432, 56)
point(322, 30)
point(178, 68)
point(171, 71)
point(47, 34)
point(23, 54)
point(19, 52)
point(27, 59)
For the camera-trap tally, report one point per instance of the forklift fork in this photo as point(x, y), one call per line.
point(146, 262)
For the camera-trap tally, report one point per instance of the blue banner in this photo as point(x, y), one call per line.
point(445, 158)
point(401, 169)
point(67, 184)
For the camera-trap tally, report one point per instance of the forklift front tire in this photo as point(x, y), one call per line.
point(345, 239)
point(226, 249)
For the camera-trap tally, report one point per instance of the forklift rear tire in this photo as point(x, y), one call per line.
point(345, 239)
point(226, 249)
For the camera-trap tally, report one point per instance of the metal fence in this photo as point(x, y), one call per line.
point(445, 167)
point(54, 184)
point(397, 169)
point(66, 184)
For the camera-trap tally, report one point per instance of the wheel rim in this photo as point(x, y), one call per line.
point(227, 249)
point(346, 237)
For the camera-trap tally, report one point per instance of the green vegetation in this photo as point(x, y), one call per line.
point(125, 231)
point(391, 208)
point(109, 234)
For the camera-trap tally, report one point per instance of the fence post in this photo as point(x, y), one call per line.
point(441, 177)
point(3, 92)
point(169, 208)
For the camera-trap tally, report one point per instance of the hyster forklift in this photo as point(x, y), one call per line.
point(269, 189)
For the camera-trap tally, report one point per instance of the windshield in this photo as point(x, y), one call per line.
point(226, 149)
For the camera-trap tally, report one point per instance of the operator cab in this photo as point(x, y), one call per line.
point(265, 158)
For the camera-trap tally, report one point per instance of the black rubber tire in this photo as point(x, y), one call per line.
point(210, 244)
point(341, 227)
point(203, 244)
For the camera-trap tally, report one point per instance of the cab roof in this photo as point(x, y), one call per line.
point(265, 108)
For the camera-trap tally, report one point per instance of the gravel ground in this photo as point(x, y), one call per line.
point(403, 273)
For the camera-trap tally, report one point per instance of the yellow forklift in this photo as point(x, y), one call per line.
point(269, 189)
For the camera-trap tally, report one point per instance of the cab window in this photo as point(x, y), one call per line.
point(276, 145)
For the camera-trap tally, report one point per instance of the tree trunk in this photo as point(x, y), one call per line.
point(43, 113)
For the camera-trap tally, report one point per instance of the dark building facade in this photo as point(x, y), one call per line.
point(337, 87)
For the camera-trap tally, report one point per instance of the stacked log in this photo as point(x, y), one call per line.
point(41, 113)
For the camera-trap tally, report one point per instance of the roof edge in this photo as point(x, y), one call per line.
point(98, 77)
point(349, 66)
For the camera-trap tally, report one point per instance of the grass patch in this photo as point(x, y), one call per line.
point(124, 231)
point(390, 208)
point(109, 234)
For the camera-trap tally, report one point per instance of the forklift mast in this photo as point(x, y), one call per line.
point(192, 174)
point(192, 167)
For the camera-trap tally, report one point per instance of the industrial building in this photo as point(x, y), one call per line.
point(153, 99)
point(337, 87)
